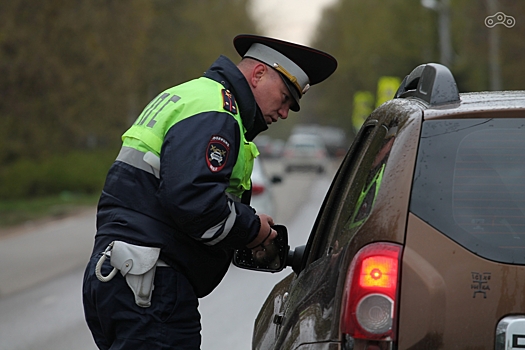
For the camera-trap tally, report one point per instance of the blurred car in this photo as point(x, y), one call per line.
point(305, 152)
point(333, 137)
point(262, 193)
point(269, 147)
point(420, 242)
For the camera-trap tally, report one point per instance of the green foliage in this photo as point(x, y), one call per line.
point(471, 40)
point(184, 39)
point(15, 212)
point(378, 38)
point(370, 39)
point(75, 172)
point(65, 80)
point(75, 74)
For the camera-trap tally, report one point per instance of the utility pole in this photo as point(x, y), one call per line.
point(442, 7)
point(494, 49)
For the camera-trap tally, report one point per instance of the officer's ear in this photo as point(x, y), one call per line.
point(258, 72)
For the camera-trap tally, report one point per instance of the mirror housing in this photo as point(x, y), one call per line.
point(244, 259)
point(276, 179)
point(295, 259)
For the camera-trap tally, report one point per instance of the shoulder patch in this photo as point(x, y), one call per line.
point(217, 153)
point(228, 101)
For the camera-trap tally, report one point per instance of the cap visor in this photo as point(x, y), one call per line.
point(293, 91)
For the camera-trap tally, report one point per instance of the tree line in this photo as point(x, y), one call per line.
point(377, 38)
point(75, 74)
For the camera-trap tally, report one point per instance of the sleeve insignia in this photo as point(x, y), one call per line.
point(228, 101)
point(217, 153)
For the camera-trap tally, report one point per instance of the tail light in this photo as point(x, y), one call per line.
point(257, 189)
point(371, 293)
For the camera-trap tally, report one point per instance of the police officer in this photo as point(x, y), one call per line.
point(175, 204)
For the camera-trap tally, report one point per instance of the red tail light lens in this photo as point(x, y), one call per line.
point(371, 290)
point(257, 189)
point(379, 272)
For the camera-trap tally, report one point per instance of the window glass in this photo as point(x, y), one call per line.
point(363, 191)
point(469, 184)
point(353, 196)
point(321, 239)
point(367, 196)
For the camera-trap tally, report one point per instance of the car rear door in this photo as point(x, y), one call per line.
point(300, 311)
point(463, 269)
point(304, 311)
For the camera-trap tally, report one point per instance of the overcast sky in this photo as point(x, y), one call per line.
point(292, 20)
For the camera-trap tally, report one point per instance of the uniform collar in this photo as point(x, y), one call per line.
point(224, 71)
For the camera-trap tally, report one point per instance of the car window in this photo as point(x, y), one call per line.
point(469, 184)
point(363, 188)
point(353, 192)
point(357, 213)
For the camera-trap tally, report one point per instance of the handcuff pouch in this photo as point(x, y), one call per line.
point(138, 265)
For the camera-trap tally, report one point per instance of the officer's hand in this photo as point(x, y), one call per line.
point(266, 233)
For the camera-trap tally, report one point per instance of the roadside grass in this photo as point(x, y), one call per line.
point(17, 212)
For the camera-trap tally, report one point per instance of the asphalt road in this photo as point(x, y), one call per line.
point(41, 269)
point(228, 314)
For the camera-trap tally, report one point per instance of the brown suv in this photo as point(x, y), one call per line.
point(420, 242)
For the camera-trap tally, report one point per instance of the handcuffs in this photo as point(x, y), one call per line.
point(136, 263)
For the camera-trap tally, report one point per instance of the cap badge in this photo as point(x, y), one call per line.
point(306, 88)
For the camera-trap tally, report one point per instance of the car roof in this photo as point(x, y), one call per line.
point(494, 104)
point(433, 87)
point(305, 138)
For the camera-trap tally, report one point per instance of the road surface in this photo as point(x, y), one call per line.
point(41, 268)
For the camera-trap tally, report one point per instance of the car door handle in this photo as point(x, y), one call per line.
point(278, 319)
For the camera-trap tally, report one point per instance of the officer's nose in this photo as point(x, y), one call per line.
point(283, 113)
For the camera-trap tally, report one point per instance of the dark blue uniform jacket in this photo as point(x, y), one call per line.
point(173, 211)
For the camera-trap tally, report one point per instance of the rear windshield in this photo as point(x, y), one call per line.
point(470, 184)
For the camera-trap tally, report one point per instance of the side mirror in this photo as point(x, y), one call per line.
point(276, 179)
point(295, 259)
point(244, 259)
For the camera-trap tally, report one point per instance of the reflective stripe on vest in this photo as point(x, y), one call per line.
point(150, 163)
point(140, 160)
point(182, 102)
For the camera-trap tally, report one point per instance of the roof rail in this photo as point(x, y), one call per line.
point(431, 82)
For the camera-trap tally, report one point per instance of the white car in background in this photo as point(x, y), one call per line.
point(262, 197)
point(305, 151)
point(269, 147)
point(333, 137)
